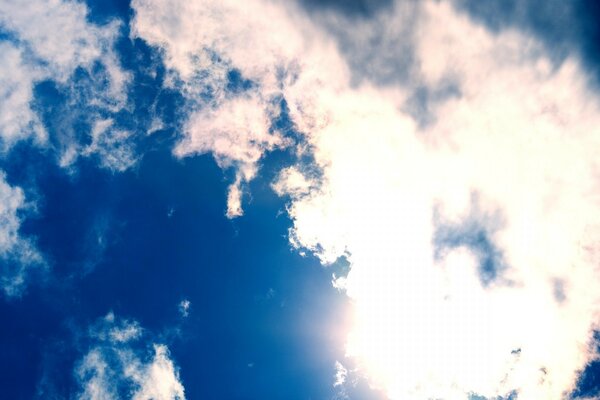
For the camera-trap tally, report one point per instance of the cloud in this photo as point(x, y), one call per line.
point(340, 381)
point(52, 41)
point(356, 8)
point(116, 366)
point(457, 224)
point(389, 188)
point(110, 145)
point(237, 134)
point(58, 33)
point(47, 40)
point(18, 254)
point(231, 74)
point(184, 308)
point(341, 374)
point(17, 78)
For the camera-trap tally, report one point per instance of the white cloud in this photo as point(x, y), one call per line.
point(184, 308)
point(341, 373)
point(522, 137)
point(59, 34)
point(18, 254)
point(96, 372)
point(237, 134)
point(292, 182)
point(50, 40)
point(110, 145)
point(340, 381)
point(236, 128)
point(116, 365)
point(507, 163)
point(159, 380)
point(16, 91)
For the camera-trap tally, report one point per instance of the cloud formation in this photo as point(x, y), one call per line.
point(18, 254)
point(231, 75)
point(472, 231)
point(495, 158)
point(53, 41)
point(117, 367)
point(16, 91)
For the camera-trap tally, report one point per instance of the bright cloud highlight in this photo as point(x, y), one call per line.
point(472, 231)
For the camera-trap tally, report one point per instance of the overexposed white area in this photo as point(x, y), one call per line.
point(510, 149)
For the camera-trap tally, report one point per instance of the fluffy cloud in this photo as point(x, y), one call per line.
point(16, 91)
point(18, 255)
point(116, 367)
point(464, 235)
point(237, 134)
point(471, 231)
point(233, 72)
point(51, 40)
point(58, 33)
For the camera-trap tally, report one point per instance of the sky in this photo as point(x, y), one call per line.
point(300, 199)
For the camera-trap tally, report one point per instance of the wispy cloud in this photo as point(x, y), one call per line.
point(116, 366)
point(229, 117)
point(110, 145)
point(50, 41)
point(17, 120)
point(53, 42)
point(184, 308)
point(18, 254)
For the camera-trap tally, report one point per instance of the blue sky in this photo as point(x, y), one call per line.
point(299, 200)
